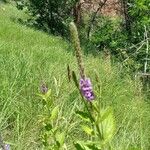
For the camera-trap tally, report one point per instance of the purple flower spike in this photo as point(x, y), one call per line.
point(86, 89)
point(7, 147)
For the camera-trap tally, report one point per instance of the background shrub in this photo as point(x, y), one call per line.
point(50, 15)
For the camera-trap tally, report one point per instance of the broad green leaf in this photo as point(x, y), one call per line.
point(80, 145)
point(41, 95)
point(85, 116)
point(54, 113)
point(104, 114)
point(43, 98)
point(88, 145)
point(87, 129)
point(107, 125)
point(48, 127)
point(94, 146)
point(87, 148)
point(60, 137)
point(47, 95)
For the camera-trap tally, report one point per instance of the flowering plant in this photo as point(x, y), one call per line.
point(51, 135)
point(98, 122)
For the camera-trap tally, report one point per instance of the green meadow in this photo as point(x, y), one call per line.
point(29, 57)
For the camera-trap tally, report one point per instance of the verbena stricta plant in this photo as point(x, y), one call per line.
point(51, 135)
point(98, 122)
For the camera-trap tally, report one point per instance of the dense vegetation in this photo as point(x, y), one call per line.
point(122, 36)
point(41, 107)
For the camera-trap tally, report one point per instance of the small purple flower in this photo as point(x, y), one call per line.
point(44, 88)
point(7, 147)
point(86, 89)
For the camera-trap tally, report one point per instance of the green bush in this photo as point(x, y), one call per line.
point(139, 14)
point(107, 33)
point(50, 15)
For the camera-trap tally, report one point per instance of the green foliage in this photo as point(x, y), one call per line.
point(51, 136)
point(112, 34)
point(84, 115)
point(139, 13)
point(140, 32)
point(50, 15)
point(101, 128)
point(89, 145)
point(107, 34)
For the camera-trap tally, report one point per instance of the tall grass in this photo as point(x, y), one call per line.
point(29, 57)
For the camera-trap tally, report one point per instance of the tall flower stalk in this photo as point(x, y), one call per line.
point(76, 43)
point(99, 124)
point(85, 85)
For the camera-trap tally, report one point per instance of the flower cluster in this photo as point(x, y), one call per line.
point(7, 147)
point(86, 89)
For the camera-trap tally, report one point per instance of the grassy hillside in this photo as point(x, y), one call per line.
point(28, 57)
